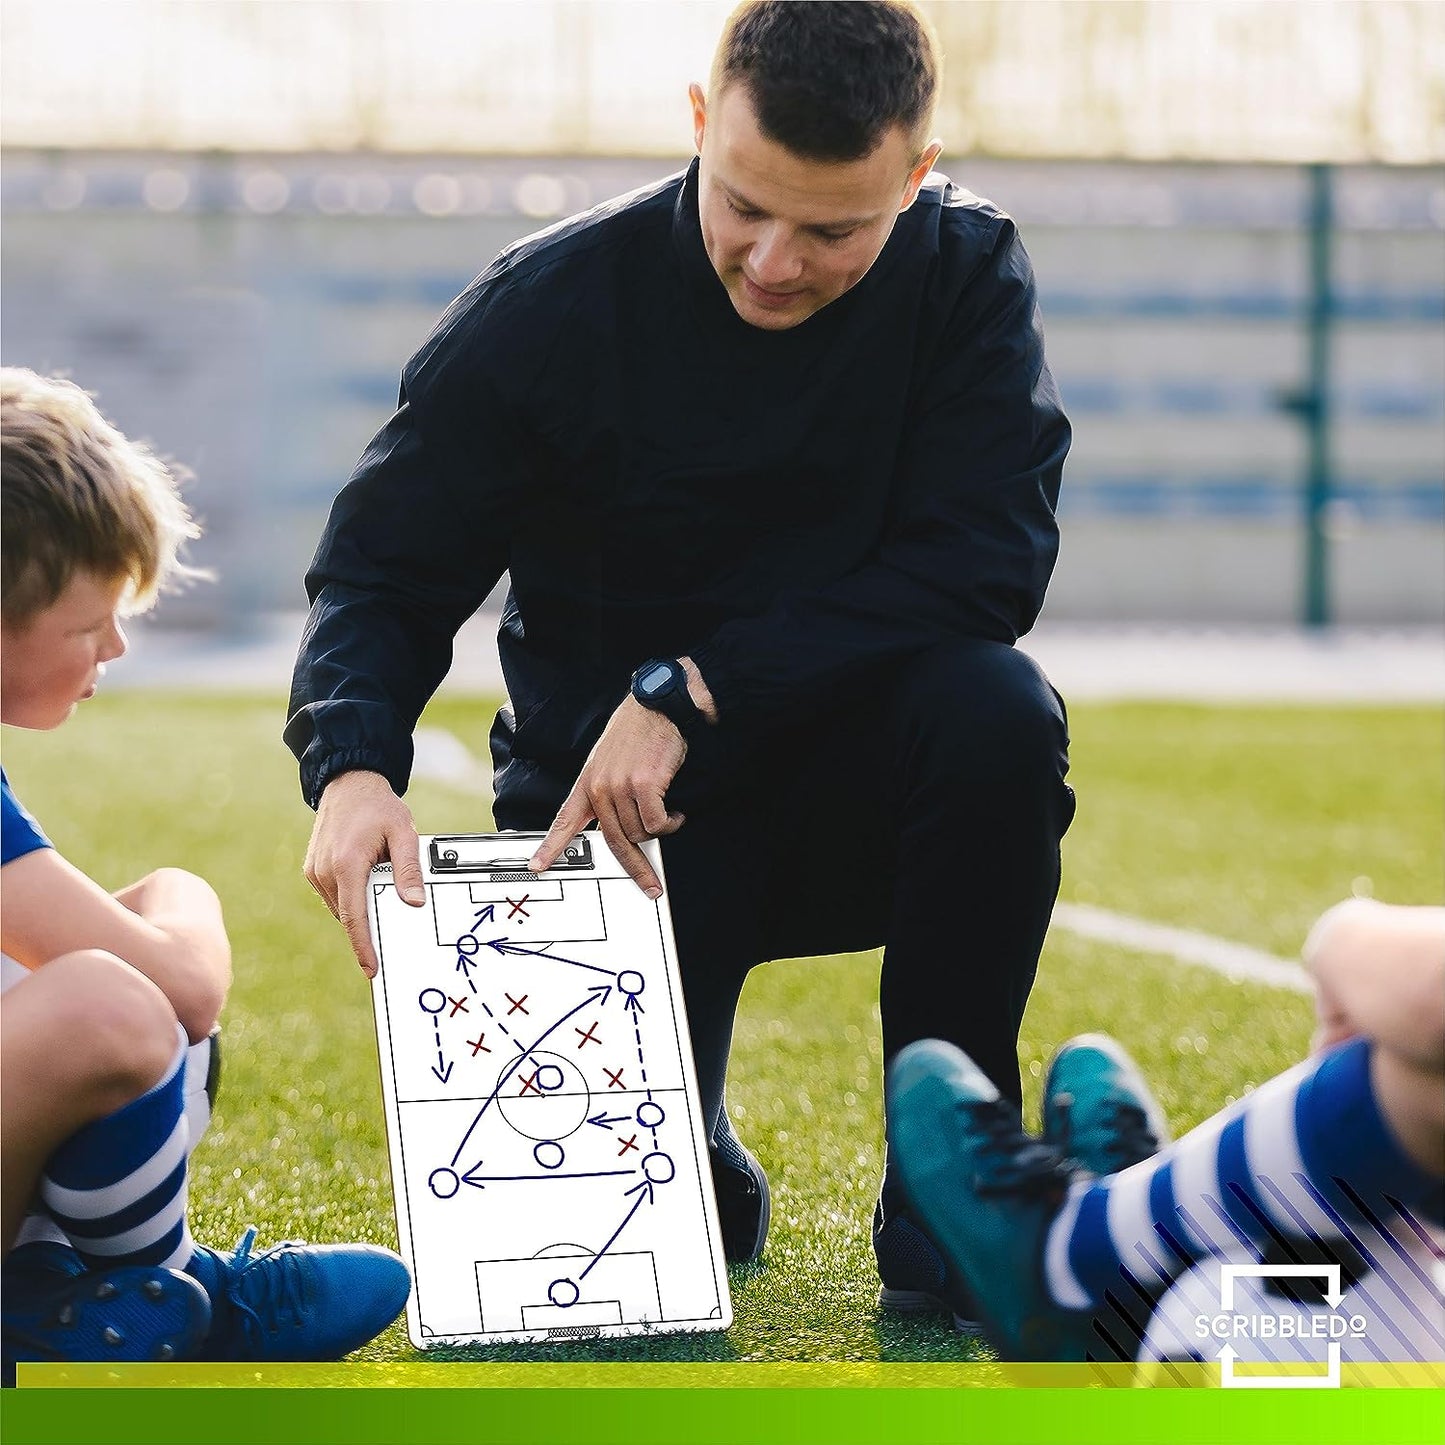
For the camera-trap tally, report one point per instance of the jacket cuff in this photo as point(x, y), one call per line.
point(316, 775)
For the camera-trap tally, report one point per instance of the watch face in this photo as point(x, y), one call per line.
point(655, 679)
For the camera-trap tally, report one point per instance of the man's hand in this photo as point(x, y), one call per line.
point(622, 786)
point(361, 822)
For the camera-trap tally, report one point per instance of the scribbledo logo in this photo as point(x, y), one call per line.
point(1285, 1328)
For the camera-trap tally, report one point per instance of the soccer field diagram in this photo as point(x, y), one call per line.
point(547, 1148)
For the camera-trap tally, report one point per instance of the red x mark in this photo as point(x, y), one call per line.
point(478, 1047)
point(589, 1037)
point(626, 1145)
point(530, 1084)
point(614, 1081)
point(459, 1006)
point(517, 1003)
point(517, 908)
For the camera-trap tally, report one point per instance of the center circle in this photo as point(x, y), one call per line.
point(544, 1096)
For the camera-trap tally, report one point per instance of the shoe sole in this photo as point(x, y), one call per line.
point(130, 1314)
point(921, 1302)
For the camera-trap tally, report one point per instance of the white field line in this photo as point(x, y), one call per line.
point(1233, 960)
point(440, 756)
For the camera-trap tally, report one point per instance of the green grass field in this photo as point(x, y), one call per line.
point(1244, 823)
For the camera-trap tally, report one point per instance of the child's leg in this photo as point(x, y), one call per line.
point(82, 1038)
point(1306, 1157)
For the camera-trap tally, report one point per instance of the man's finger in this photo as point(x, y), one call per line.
point(657, 822)
point(404, 849)
point(321, 891)
point(571, 818)
point(627, 853)
point(358, 931)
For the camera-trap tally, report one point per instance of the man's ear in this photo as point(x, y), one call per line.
point(699, 113)
point(919, 173)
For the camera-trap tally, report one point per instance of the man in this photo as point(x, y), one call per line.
point(778, 437)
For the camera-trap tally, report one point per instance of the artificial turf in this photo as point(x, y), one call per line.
point(1242, 822)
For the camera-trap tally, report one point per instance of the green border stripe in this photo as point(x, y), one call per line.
point(698, 1416)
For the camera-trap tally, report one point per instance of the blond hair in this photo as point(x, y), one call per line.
point(76, 495)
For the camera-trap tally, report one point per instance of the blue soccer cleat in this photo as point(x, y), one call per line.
point(55, 1309)
point(986, 1193)
point(299, 1301)
point(1098, 1111)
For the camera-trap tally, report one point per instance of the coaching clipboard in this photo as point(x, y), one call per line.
point(548, 1154)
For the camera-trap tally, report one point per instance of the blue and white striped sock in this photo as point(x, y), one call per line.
point(1305, 1157)
point(117, 1187)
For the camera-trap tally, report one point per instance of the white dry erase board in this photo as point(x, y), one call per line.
point(547, 1146)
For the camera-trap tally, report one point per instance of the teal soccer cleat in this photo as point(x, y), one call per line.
point(299, 1301)
point(986, 1192)
point(1098, 1110)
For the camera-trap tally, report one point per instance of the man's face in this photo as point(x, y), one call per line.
point(786, 234)
point(56, 660)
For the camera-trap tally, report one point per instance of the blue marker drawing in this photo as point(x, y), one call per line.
point(530, 1033)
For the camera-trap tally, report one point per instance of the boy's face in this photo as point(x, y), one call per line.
point(786, 234)
point(57, 658)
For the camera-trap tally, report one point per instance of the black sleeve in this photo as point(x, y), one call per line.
point(415, 542)
point(971, 538)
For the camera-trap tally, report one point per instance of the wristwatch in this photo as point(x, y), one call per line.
point(661, 684)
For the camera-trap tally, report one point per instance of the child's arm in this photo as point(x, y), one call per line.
point(168, 926)
point(1380, 971)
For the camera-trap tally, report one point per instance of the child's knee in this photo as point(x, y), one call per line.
point(115, 1030)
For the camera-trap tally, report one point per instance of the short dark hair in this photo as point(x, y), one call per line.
point(828, 79)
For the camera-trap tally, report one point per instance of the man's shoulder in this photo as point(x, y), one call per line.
point(591, 234)
point(533, 291)
point(974, 249)
point(963, 218)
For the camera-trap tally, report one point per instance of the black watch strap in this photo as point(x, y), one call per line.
point(661, 685)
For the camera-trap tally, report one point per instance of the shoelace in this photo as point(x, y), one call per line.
point(1011, 1162)
point(264, 1298)
point(1130, 1137)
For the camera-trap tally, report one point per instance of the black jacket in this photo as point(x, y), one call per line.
point(794, 509)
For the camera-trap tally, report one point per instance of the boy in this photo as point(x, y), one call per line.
point(104, 992)
point(1340, 1159)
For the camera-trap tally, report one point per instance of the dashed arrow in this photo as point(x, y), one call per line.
point(633, 1006)
point(443, 1074)
point(606, 1121)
